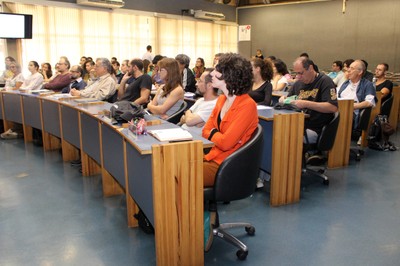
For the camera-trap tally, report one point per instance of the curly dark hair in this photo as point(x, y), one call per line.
point(236, 72)
point(265, 66)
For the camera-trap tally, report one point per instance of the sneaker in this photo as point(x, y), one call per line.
point(9, 134)
point(260, 183)
point(76, 162)
point(359, 141)
point(209, 220)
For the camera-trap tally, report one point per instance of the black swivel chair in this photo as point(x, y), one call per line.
point(236, 179)
point(176, 117)
point(387, 106)
point(324, 143)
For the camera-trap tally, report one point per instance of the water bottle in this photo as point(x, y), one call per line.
point(374, 81)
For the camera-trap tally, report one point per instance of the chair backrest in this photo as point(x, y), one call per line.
point(387, 106)
point(328, 134)
point(176, 117)
point(365, 115)
point(113, 98)
point(237, 175)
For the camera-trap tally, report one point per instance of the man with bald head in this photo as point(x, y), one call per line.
point(316, 95)
point(357, 88)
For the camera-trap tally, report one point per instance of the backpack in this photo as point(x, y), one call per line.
point(124, 111)
point(379, 133)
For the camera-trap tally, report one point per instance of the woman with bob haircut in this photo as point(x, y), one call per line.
point(169, 96)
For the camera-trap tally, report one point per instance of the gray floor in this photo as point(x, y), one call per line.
point(51, 215)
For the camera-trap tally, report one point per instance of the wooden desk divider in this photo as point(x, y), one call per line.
point(394, 113)
point(178, 203)
point(338, 156)
point(375, 111)
point(286, 176)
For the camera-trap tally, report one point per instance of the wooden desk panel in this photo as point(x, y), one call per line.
point(178, 203)
point(394, 113)
point(339, 155)
point(287, 149)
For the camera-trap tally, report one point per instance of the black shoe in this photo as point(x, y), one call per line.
point(76, 162)
point(80, 169)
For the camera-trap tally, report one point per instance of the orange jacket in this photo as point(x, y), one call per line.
point(235, 129)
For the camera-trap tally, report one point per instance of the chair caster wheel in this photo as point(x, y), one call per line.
point(250, 230)
point(241, 254)
point(325, 182)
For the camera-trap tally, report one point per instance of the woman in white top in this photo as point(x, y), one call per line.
point(16, 79)
point(279, 81)
point(169, 96)
point(35, 80)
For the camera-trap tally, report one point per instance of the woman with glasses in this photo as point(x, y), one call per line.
point(16, 78)
point(169, 96)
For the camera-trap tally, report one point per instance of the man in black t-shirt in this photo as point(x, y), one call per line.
point(316, 95)
point(139, 90)
point(382, 84)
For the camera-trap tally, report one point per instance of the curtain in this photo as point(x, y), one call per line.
point(72, 32)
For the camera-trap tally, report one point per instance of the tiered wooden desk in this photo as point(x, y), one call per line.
point(165, 180)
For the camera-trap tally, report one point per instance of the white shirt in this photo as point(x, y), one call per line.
point(12, 82)
point(147, 55)
point(350, 92)
point(203, 109)
point(33, 82)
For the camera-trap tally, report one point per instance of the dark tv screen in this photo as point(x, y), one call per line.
point(15, 26)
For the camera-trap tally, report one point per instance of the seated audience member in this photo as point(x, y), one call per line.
point(346, 64)
point(359, 89)
point(118, 73)
point(155, 75)
point(103, 87)
point(35, 80)
point(195, 118)
point(259, 54)
point(261, 91)
point(169, 96)
point(88, 71)
point(76, 80)
point(234, 118)
point(216, 58)
point(62, 79)
point(199, 67)
point(46, 72)
point(382, 84)
point(113, 60)
point(188, 80)
point(15, 77)
point(139, 90)
point(124, 70)
point(231, 123)
point(7, 73)
point(279, 80)
point(316, 94)
point(271, 57)
point(337, 74)
point(82, 60)
point(367, 75)
point(146, 66)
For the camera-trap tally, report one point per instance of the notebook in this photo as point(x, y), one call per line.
point(171, 134)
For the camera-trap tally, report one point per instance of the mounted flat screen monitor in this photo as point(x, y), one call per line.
point(15, 26)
